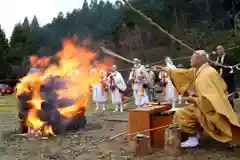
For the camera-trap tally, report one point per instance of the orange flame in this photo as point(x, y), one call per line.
point(75, 68)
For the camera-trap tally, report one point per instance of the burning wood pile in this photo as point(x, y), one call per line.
point(53, 98)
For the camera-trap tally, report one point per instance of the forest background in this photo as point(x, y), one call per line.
point(202, 24)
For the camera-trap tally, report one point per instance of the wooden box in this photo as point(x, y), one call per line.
point(140, 119)
point(157, 120)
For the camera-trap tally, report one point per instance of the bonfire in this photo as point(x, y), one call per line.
point(53, 100)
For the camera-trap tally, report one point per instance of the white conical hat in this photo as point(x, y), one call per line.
point(147, 66)
point(136, 60)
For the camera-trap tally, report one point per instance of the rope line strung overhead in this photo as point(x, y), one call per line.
point(237, 66)
point(187, 57)
point(181, 58)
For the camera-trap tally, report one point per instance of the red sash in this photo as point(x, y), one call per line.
point(122, 99)
point(112, 83)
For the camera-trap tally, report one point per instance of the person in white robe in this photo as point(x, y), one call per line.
point(170, 91)
point(99, 90)
point(116, 85)
point(138, 79)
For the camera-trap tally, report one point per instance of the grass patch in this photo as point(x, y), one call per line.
point(6, 109)
point(8, 103)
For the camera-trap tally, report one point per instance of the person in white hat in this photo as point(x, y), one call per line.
point(138, 79)
point(117, 86)
point(99, 89)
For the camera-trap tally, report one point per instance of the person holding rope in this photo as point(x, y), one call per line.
point(226, 73)
point(209, 108)
point(138, 80)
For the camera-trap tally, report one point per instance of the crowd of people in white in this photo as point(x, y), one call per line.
point(142, 81)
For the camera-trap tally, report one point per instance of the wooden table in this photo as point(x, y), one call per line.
point(144, 118)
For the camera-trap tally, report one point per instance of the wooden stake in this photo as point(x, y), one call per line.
point(172, 140)
point(142, 146)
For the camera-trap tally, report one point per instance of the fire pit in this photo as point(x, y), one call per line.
point(53, 99)
point(50, 114)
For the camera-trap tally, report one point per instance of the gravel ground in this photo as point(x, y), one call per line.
point(91, 143)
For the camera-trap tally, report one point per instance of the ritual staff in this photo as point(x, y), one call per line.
point(99, 89)
point(138, 80)
point(151, 84)
point(226, 73)
point(209, 108)
point(116, 86)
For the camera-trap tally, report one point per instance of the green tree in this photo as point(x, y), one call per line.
point(4, 50)
point(35, 25)
point(18, 45)
point(198, 23)
point(34, 37)
point(26, 24)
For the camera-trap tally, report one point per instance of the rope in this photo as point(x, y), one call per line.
point(187, 57)
point(156, 25)
point(143, 131)
point(232, 48)
point(173, 59)
point(237, 66)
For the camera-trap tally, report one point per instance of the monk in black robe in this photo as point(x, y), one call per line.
point(226, 73)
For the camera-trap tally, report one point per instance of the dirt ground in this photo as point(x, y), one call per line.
point(90, 143)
